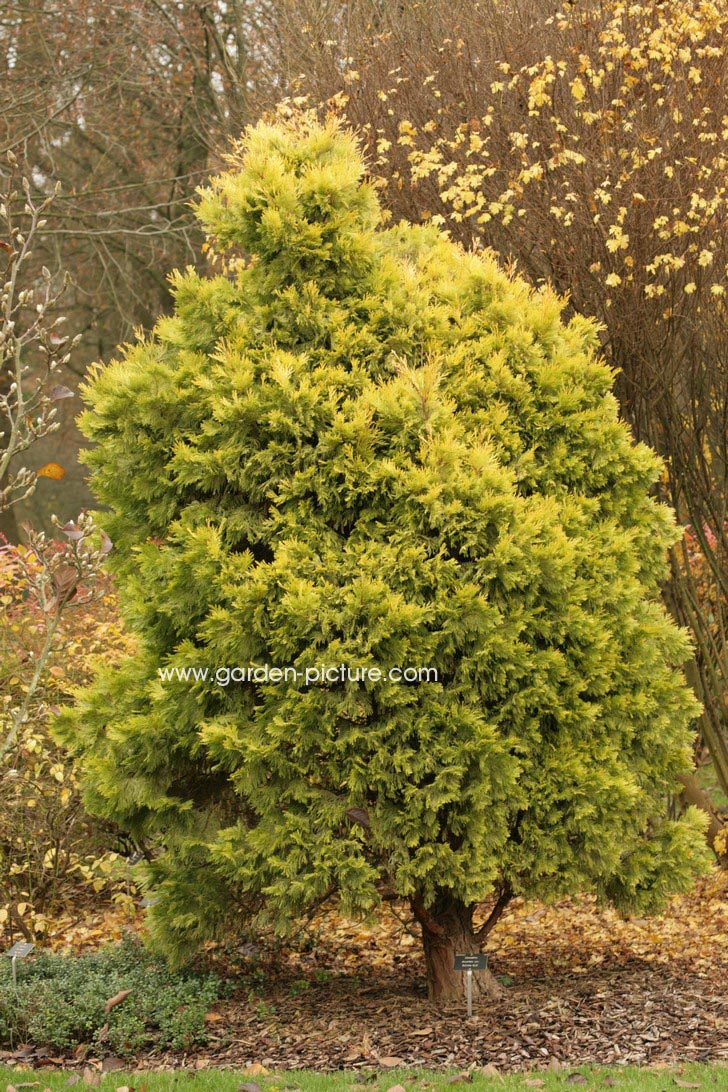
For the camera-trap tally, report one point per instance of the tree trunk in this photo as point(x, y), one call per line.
point(712, 723)
point(447, 931)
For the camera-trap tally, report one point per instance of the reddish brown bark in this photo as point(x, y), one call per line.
point(447, 931)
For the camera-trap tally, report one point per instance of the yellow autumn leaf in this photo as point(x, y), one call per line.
point(578, 89)
point(51, 470)
point(720, 843)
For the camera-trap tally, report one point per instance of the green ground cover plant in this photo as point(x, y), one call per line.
point(61, 1001)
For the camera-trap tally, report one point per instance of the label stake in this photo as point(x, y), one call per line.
point(18, 951)
point(473, 961)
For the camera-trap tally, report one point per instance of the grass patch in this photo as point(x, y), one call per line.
point(624, 1079)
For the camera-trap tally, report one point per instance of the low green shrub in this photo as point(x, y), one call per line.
point(59, 1001)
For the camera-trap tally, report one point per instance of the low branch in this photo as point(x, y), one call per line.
point(495, 915)
point(425, 918)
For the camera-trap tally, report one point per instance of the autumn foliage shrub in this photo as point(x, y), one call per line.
point(51, 851)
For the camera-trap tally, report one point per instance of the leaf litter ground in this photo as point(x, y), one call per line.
point(583, 986)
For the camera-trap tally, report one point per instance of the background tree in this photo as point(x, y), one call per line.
point(33, 348)
point(588, 146)
point(127, 105)
point(367, 447)
point(47, 843)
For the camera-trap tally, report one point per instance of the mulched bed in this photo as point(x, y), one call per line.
point(636, 1014)
point(584, 986)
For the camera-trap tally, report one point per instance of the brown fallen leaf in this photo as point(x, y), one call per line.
point(675, 1080)
point(212, 1017)
point(397, 1088)
point(116, 1000)
point(534, 1082)
point(390, 1062)
point(10, 1088)
point(125, 1088)
point(111, 1063)
point(255, 1069)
